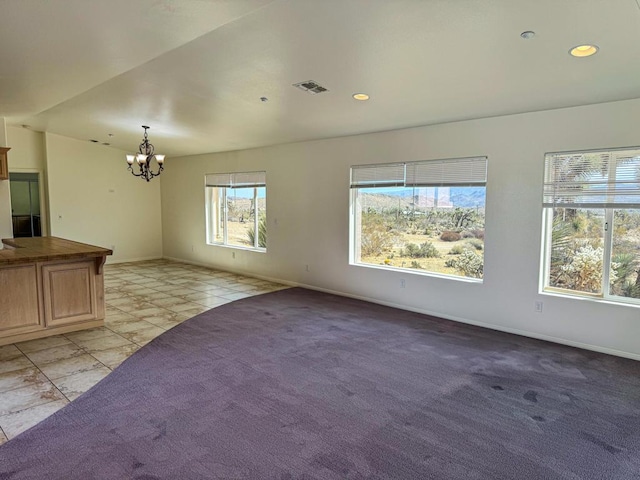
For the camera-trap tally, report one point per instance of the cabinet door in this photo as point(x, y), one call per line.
point(19, 300)
point(69, 292)
point(4, 167)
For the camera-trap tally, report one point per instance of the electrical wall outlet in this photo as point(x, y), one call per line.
point(538, 306)
point(306, 268)
point(233, 254)
point(402, 283)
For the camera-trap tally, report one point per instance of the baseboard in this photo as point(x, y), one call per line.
point(129, 260)
point(490, 326)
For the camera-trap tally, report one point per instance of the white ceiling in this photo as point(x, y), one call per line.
point(194, 70)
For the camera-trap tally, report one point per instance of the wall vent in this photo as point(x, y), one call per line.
point(311, 87)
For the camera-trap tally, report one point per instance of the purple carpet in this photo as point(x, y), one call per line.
point(298, 384)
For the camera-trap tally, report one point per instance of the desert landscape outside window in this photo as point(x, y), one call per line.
point(423, 216)
point(236, 209)
point(592, 224)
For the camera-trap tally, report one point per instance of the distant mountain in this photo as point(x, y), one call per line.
point(468, 197)
point(385, 198)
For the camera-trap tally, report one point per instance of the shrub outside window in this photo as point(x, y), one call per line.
point(592, 224)
point(420, 216)
point(236, 209)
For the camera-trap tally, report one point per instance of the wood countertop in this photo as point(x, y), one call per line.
point(42, 249)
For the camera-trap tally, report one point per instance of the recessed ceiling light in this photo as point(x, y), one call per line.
point(583, 51)
point(361, 96)
point(528, 34)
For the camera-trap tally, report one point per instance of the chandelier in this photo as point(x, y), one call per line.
point(143, 159)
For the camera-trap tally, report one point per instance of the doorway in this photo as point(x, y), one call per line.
point(25, 204)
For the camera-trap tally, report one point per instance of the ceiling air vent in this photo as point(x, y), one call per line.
point(310, 87)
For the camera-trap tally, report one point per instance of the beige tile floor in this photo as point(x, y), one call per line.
point(143, 300)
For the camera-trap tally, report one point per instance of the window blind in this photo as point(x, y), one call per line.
point(390, 175)
point(236, 180)
point(602, 179)
point(451, 172)
point(432, 173)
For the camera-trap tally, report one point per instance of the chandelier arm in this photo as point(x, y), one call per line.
point(157, 173)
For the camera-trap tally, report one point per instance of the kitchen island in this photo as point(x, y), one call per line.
point(48, 286)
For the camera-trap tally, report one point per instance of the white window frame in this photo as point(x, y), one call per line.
point(449, 172)
point(607, 194)
point(217, 186)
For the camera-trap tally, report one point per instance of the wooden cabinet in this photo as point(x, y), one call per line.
point(4, 166)
point(48, 298)
point(22, 313)
point(49, 286)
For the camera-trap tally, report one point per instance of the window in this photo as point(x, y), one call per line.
point(420, 216)
point(592, 224)
point(236, 209)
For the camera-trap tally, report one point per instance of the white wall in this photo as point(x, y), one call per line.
point(27, 149)
point(308, 197)
point(94, 199)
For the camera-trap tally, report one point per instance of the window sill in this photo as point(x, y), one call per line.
point(591, 298)
point(423, 273)
point(238, 247)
